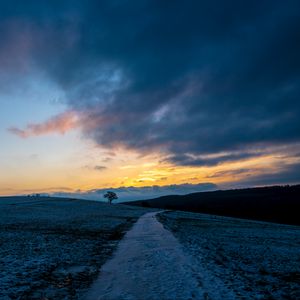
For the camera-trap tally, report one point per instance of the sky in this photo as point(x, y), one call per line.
point(148, 97)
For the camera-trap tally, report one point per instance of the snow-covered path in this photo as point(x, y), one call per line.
point(148, 264)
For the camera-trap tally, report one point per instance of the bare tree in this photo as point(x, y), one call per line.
point(110, 196)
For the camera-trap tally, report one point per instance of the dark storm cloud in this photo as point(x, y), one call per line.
point(185, 77)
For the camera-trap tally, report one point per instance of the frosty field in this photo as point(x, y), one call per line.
point(248, 259)
point(52, 248)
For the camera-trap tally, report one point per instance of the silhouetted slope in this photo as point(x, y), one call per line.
point(279, 204)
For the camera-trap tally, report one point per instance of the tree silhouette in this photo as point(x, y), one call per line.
point(110, 196)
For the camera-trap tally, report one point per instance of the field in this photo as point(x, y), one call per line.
point(52, 248)
point(253, 260)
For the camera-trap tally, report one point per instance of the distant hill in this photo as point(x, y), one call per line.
point(280, 204)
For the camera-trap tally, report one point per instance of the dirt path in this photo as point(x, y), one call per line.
point(148, 264)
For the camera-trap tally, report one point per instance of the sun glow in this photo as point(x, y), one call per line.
point(90, 167)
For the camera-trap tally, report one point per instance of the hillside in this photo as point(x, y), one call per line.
point(280, 204)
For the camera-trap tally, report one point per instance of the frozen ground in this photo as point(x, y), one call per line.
point(52, 248)
point(253, 260)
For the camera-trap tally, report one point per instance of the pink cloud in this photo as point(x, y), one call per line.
point(58, 124)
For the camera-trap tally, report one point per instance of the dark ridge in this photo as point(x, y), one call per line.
point(279, 204)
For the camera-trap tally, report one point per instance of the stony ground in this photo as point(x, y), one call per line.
point(254, 260)
point(53, 248)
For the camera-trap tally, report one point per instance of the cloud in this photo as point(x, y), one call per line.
point(95, 168)
point(138, 193)
point(100, 168)
point(286, 174)
point(189, 79)
point(61, 124)
point(231, 173)
point(192, 160)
